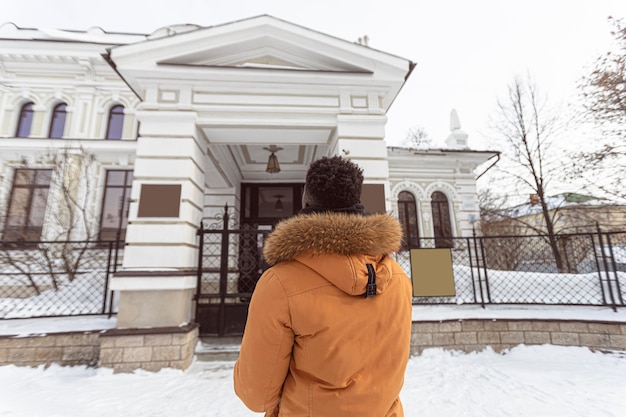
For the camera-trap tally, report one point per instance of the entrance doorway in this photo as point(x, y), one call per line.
point(262, 207)
point(230, 256)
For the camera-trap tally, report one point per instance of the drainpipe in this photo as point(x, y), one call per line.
point(490, 166)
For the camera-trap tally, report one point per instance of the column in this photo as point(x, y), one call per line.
point(361, 137)
point(157, 280)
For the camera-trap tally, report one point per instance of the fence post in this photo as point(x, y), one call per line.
point(606, 269)
point(471, 264)
point(615, 274)
point(223, 273)
point(598, 268)
point(200, 234)
point(106, 283)
point(480, 282)
point(482, 254)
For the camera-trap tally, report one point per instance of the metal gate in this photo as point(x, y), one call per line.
point(230, 263)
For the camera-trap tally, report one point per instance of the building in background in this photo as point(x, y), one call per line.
point(570, 212)
point(154, 134)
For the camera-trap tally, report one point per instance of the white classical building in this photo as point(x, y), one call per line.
point(188, 119)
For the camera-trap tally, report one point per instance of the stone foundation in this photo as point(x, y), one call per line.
point(68, 349)
point(122, 350)
point(150, 349)
point(473, 335)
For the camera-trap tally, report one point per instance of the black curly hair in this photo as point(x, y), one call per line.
point(334, 182)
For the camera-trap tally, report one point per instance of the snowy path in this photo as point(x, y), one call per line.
point(527, 381)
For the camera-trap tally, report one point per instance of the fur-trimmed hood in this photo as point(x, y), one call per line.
point(333, 233)
point(337, 246)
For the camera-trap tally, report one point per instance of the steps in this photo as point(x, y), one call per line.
point(218, 348)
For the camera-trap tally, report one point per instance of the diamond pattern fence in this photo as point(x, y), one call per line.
point(591, 270)
point(48, 279)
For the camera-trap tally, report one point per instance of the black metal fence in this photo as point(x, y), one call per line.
point(229, 266)
point(524, 270)
point(49, 279)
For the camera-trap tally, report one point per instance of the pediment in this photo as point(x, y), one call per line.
point(266, 52)
point(268, 61)
point(263, 42)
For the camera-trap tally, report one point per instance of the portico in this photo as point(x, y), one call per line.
point(212, 99)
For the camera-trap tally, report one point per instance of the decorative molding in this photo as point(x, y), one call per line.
point(410, 186)
point(445, 188)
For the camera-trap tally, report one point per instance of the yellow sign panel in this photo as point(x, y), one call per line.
point(431, 272)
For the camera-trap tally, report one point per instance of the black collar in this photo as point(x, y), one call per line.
point(355, 209)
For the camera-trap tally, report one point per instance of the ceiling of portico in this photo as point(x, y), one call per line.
point(247, 149)
point(244, 141)
point(251, 161)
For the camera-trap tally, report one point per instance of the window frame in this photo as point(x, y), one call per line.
point(25, 110)
point(118, 232)
point(413, 239)
point(112, 116)
point(25, 231)
point(442, 220)
point(53, 121)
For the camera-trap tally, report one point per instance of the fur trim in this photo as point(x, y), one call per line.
point(338, 233)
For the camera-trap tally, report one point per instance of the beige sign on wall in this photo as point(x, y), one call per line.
point(431, 272)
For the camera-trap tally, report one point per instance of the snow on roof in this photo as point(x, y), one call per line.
point(558, 201)
point(92, 35)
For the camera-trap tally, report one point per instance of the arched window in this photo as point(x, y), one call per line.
point(25, 121)
point(442, 225)
point(407, 214)
point(57, 124)
point(115, 123)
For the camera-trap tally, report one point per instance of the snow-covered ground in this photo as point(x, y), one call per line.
point(528, 381)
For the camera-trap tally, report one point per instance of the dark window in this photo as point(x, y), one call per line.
point(25, 121)
point(115, 123)
point(407, 214)
point(115, 205)
point(27, 205)
point(270, 203)
point(441, 220)
point(57, 124)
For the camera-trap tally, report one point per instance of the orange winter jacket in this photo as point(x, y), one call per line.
point(314, 344)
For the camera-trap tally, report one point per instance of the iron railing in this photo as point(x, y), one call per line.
point(46, 279)
point(57, 278)
point(230, 263)
point(523, 270)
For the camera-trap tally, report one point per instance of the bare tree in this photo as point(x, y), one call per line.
point(417, 137)
point(527, 125)
point(494, 216)
point(74, 183)
point(495, 221)
point(70, 223)
point(604, 99)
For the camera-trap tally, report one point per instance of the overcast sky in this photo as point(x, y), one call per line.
point(467, 52)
